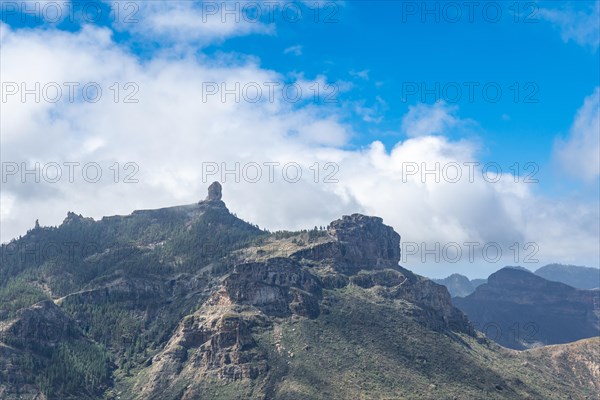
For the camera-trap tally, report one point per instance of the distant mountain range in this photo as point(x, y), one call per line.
point(459, 285)
point(520, 310)
point(579, 277)
point(572, 275)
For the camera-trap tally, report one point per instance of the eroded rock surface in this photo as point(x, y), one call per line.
point(215, 192)
point(360, 242)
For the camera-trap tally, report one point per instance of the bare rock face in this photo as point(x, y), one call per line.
point(367, 240)
point(214, 342)
point(361, 242)
point(434, 306)
point(217, 340)
point(215, 192)
point(73, 218)
point(437, 311)
point(278, 287)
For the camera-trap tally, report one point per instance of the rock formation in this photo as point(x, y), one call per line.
point(191, 302)
point(215, 192)
point(360, 242)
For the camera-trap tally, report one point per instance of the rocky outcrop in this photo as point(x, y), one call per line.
point(438, 313)
point(214, 342)
point(73, 218)
point(278, 287)
point(217, 340)
point(367, 239)
point(361, 242)
point(215, 192)
point(435, 309)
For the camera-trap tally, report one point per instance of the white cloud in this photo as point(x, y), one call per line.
point(373, 113)
point(581, 26)
point(7, 202)
point(364, 74)
point(295, 50)
point(579, 153)
point(435, 119)
point(183, 23)
point(171, 133)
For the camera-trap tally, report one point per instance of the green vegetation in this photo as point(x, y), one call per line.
point(366, 347)
point(76, 370)
point(122, 285)
point(17, 294)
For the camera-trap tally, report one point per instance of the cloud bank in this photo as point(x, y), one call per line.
point(159, 140)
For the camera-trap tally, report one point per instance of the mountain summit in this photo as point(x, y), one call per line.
point(191, 302)
point(522, 310)
point(215, 192)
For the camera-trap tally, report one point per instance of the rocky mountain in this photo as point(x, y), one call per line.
point(475, 283)
point(572, 275)
point(190, 302)
point(519, 310)
point(579, 277)
point(459, 285)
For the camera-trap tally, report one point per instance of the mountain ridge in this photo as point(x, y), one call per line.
point(524, 310)
point(573, 275)
point(190, 302)
point(576, 276)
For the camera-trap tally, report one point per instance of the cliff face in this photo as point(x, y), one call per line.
point(359, 242)
point(214, 342)
point(217, 341)
point(366, 242)
point(521, 310)
point(278, 287)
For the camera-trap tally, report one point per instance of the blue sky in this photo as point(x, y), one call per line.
point(372, 53)
point(371, 37)
point(391, 45)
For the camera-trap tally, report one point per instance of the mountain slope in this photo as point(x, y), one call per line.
point(520, 310)
point(570, 362)
point(190, 302)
